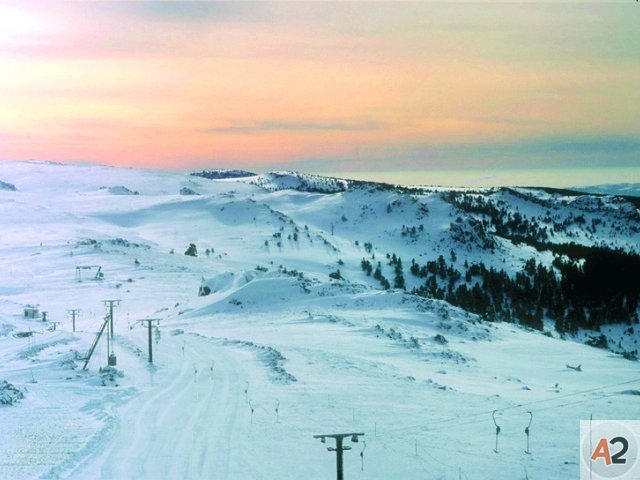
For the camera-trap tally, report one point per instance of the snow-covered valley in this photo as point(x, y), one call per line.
point(273, 332)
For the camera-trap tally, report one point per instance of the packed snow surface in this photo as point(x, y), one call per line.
point(276, 351)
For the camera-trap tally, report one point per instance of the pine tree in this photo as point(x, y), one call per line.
point(378, 273)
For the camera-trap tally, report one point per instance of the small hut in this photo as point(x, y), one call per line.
point(31, 311)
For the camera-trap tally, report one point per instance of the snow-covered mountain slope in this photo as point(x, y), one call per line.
point(274, 332)
point(300, 182)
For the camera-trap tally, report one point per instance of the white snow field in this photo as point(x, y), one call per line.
point(278, 351)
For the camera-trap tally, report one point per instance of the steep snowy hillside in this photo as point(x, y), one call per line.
point(287, 305)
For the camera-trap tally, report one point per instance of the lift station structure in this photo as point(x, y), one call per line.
point(97, 268)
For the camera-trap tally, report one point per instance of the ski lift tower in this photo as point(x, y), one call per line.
point(339, 448)
point(150, 322)
point(110, 304)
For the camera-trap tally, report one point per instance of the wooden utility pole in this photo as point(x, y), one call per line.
point(111, 303)
point(339, 449)
point(149, 325)
point(108, 345)
point(73, 313)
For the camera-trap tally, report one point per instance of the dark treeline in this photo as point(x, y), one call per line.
point(601, 287)
point(534, 231)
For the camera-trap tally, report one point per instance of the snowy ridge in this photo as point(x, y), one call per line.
point(301, 182)
point(221, 174)
point(119, 190)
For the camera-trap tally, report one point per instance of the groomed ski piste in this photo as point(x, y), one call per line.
point(277, 351)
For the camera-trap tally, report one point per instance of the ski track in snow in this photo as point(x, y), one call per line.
point(181, 428)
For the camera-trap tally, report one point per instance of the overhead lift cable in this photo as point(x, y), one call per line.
point(448, 420)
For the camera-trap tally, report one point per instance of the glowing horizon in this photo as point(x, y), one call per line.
point(338, 87)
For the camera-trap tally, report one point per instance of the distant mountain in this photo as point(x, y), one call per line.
point(628, 189)
point(221, 174)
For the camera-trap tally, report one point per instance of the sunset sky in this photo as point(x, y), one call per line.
point(322, 87)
